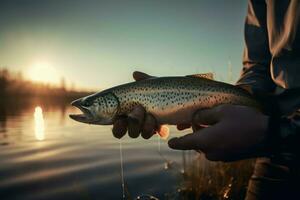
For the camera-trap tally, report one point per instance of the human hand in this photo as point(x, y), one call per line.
point(234, 132)
point(137, 122)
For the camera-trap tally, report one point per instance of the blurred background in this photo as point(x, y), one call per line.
point(54, 51)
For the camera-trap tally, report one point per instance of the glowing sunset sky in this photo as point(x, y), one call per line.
point(97, 44)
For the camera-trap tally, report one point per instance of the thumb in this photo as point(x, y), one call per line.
point(138, 76)
point(186, 142)
point(208, 116)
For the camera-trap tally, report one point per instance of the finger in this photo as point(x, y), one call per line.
point(183, 126)
point(119, 128)
point(196, 127)
point(149, 126)
point(134, 127)
point(135, 121)
point(186, 142)
point(207, 116)
point(138, 76)
point(203, 139)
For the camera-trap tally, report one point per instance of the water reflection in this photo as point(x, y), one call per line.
point(3, 119)
point(39, 125)
point(74, 161)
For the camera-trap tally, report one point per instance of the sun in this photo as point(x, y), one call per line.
point(43, 72)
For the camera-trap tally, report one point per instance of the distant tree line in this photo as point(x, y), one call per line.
point(4, 76)
point(13, 84)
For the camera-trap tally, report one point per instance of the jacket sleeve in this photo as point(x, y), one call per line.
point(284, 131)
point(256, 58)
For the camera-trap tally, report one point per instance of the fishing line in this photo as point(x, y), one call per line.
point(159, 150)
point(158, 143)
point(171, 164)
point(168, 163)
point(122, 170)
point(183, 162)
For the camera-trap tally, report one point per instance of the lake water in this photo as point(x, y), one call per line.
point(46, 155)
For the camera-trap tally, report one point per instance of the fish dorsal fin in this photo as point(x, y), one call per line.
point(206, 75)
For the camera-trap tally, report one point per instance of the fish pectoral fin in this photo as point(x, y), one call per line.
point(209, 76)
point(247, 88)
point(164, 132)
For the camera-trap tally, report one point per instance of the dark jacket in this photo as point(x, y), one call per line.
point(271, 66)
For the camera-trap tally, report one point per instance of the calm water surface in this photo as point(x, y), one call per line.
point(46, 155)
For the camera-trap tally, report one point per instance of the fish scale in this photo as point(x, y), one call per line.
point(167, 97)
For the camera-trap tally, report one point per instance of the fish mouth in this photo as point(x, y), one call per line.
point(85, 116)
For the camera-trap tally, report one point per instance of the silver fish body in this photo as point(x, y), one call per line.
point(171, 100)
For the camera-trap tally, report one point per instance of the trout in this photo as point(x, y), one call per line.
point(171, 100)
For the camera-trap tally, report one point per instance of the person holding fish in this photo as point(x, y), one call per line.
point(258, 117)
point(271, 73)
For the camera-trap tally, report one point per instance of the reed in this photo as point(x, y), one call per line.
point(206, 180)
